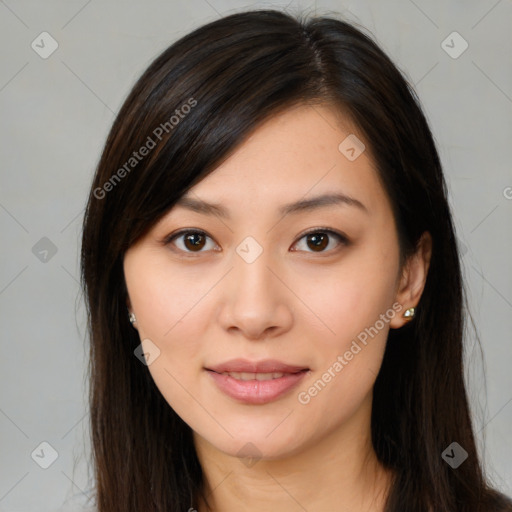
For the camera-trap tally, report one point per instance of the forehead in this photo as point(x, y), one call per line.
point(302, 152)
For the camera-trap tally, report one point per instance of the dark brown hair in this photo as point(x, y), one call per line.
point(233, 74)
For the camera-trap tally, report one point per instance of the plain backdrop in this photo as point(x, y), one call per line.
point(55, 115)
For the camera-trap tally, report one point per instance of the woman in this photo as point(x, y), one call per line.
point(273, 284)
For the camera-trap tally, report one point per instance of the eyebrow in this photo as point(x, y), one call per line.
point(302, 205)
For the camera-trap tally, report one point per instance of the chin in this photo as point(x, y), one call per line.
point(257, 443)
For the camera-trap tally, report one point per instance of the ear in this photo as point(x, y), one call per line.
point(413, 279)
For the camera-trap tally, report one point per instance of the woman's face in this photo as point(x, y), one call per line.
point(263, 337)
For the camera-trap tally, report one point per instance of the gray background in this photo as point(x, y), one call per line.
point(56, 113)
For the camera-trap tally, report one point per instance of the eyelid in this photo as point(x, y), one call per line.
point(169, 238)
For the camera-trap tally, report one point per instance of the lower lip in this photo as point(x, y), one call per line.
point(256, 392)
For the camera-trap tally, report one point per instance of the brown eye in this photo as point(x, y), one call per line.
point(194, 241)
point(319, 240)
point(189, 241)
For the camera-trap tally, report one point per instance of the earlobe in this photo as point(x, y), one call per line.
point(412, 282)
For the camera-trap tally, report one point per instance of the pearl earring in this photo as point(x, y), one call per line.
point(409, 314)
point(132, 318)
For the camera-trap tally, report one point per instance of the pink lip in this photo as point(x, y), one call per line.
point(266, 366)
point(256, 392)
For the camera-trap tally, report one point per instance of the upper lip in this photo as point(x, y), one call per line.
point(265, 366)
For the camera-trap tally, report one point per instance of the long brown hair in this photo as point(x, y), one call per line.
point(191, 108)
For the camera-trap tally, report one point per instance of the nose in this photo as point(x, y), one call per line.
point(256, 302)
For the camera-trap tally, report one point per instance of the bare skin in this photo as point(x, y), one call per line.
point(302, 300)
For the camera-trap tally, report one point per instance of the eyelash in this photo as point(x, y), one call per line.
point(342, 239)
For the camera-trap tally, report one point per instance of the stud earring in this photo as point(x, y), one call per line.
point(132, 318)
point(409, 314)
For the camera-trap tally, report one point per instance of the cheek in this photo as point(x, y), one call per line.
point(357, 307)
point(350, 297)
point(165, 300)
point(168, 309)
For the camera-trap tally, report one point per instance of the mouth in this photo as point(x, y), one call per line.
point(256, 383)
point(245, 376)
